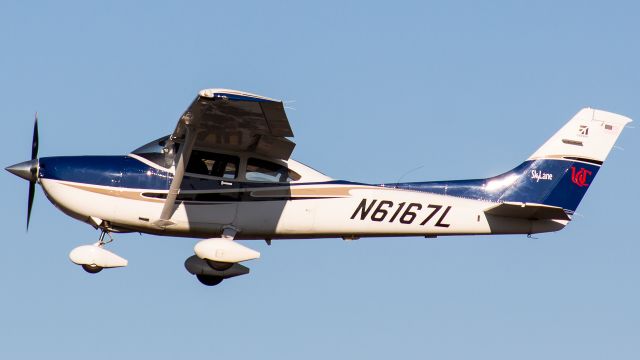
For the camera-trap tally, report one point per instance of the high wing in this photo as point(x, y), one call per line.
point(230, 120)
point(237, 121)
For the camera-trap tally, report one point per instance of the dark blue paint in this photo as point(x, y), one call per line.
point(559, 191)
point(124, 171)
point(120, 171)
point(239, 97)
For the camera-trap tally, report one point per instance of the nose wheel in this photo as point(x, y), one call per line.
point(92, 269)
point(93, 258)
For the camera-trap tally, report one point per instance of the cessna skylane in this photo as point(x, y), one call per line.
point(226, 174)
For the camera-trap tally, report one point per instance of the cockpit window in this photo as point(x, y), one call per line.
point(156, 146)
point(211, 164)
point(154, 152)
point(266, 171)
point(217, 165)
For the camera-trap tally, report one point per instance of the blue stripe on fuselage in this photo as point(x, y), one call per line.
point(128, 172)
point(237, 97)
point(117, 171)
point(544, 181)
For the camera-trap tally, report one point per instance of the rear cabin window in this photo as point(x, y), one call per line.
point(211, 164)
point(266, 171)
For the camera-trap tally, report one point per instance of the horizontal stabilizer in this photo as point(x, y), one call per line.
point(528, 211)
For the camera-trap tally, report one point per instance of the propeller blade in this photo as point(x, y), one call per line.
point(34, 169)
point(32, 191)
point(34, 142)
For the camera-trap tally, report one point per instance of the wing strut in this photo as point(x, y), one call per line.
point(174, 190)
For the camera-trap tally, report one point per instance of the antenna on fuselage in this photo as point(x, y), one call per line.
point(407, 173)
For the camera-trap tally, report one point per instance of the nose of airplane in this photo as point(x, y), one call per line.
point(27, 170)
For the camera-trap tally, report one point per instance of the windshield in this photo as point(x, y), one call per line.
point(154, 151)
point(154, 147)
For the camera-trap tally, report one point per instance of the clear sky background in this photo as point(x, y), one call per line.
point(460, 89)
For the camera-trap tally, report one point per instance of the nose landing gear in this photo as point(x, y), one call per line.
point(93, 258)
point(92, 269)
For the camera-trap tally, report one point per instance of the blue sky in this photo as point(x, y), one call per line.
point(456, 89)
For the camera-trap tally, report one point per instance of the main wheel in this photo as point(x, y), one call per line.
point(92, 269)
point(209, 280)
point(220, 266)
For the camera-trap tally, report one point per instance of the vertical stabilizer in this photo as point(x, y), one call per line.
point(588, 136)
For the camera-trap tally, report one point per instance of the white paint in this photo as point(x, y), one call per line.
point(538, 175)
point(95, 255)
point(603, 131)
point(224, 250)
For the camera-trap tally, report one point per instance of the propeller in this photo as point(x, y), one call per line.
point(33, 169)
point(28, 170)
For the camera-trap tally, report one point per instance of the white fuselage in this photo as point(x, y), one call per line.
point(314, 211)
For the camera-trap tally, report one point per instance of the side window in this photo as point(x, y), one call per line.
point(266, 171)
point(218, 165)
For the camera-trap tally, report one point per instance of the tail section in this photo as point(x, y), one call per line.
point(560, 172)
point(557, 175)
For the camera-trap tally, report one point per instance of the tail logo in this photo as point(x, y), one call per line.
point(580, 177)
point(583, 130)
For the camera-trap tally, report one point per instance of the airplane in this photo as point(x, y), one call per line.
point(226, 174)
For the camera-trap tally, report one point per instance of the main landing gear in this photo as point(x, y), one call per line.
point(218, 258)
point(93, 258)
point(210, 280)
point(208, 275)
